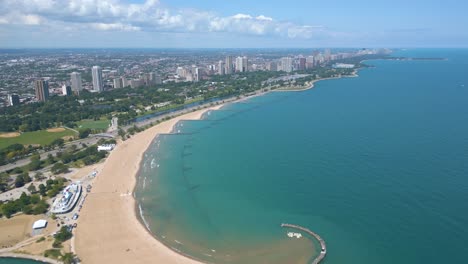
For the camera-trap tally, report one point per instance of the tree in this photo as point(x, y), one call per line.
point(19, 181)
point(42, 189)
point(58, 142)
point(32, 188)
point(84, 133)
point(68, 258)
point(39, 176)
point(50, 159)
point(121, 133)
point(59, 168)
point(35, 164)
point(26, 177)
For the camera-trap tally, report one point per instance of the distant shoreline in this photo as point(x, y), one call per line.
point(311, 84)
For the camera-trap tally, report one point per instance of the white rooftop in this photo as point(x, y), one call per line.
point(40, 224)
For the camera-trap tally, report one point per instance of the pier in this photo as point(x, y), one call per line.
point(323, 251)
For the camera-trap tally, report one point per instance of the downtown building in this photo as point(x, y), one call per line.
point(41, 88)
point(221, 68)
point(98, 85)
point(242, 64)
point(118, 83)
point(13, 100)
point(286, 64)
point(66, 90)
point(229, 66)
point(76, 84)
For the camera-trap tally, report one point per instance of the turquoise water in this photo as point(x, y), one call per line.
point(18, 261)
point(377, 165)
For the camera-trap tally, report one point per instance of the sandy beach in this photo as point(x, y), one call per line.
point(108, 228)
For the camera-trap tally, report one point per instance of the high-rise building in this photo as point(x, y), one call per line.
point(76, 85)
point(287, 64)
point(155, 78)
point(42, 90)
point(245, 64)
point(241, 64)
point(229, 65)
point(180, 72)
point(118, 83)
point(195, 74)
point(221, 69)
point(136, 83)
point(125, 82)
point(327, 55)
point(13, 99)
point(66, 90)
point(271, 66)
point(310, 62)
point(97, 79)
point(301, 64)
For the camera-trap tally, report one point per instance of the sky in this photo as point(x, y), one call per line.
point(232, 23)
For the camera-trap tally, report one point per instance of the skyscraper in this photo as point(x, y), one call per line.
point(245, 64)
point(221, 69)
point(97, 79)
point(310, 62)
point(76, 85)
point(118, 83)
point(66, 90)
point(195, 73)
point(301, 64)
point(271, 66)
point(229, 65)
point(241, 64)
point(155, 78)
point(286, 64)
point(13, 99)
point(42, 90)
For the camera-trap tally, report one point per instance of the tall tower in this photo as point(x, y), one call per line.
point(76, 85)
point(13, 99)
point(221, 69)
point(286, 64)
point(97, 79)
point(229, 68)
point(42, 90)
point(245, 64)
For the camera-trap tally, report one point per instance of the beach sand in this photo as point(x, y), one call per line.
point(16, 229)
point(108, 228)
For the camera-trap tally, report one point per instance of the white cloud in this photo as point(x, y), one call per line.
point(114, 26)
point(16, 18)
point(148, 16)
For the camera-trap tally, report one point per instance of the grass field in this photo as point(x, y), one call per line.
point(37, 137)
point(91, 124)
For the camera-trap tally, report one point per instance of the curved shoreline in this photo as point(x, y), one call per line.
point(139, 211)
point(109, 229)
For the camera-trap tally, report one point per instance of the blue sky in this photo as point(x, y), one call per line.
point(233, 24)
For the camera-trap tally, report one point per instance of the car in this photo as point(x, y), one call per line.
point(75, 216)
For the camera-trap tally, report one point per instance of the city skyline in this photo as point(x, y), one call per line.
point(207, 24)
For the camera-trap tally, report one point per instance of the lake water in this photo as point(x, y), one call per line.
point(377, 165)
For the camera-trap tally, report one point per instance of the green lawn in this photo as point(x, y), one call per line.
point(91, 124)
point(41, 137)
